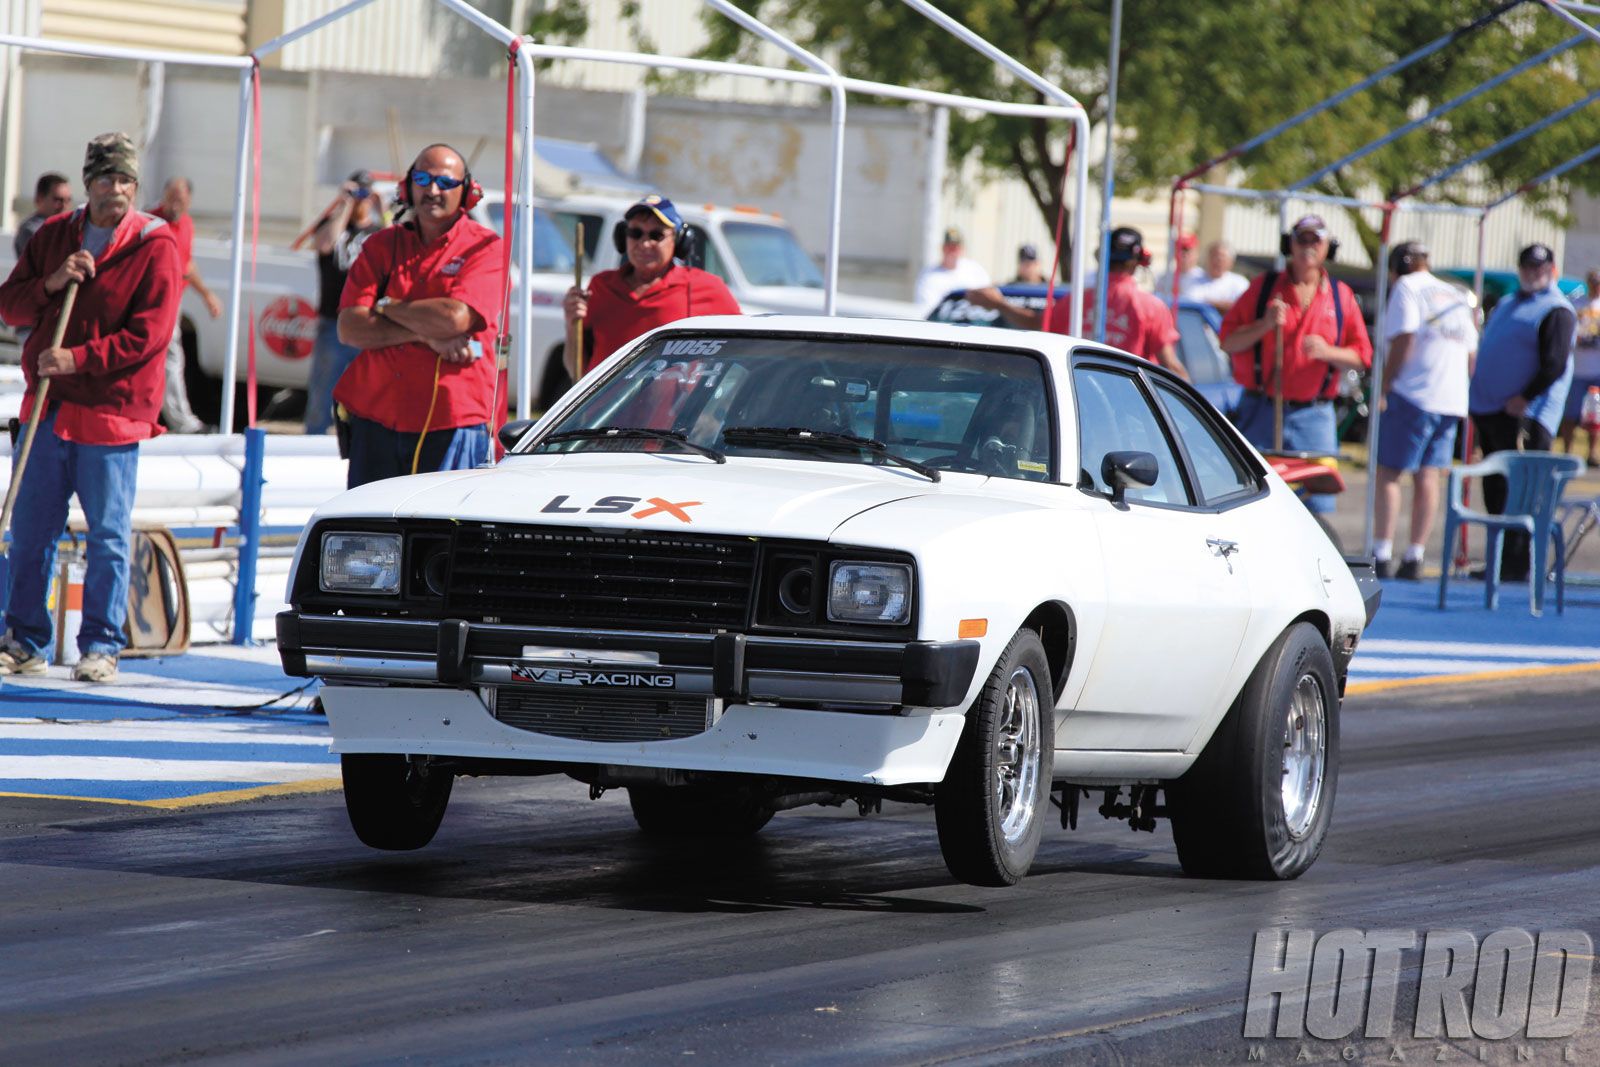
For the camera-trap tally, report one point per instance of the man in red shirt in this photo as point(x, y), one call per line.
point(654, 285)
point(422, 303)
point(105, 395)
point(1322, 333)
point(1136, 321)
point(174, 207)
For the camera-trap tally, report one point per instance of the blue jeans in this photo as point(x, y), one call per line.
point(1305, 429)
point(330, 358)
point(378, 452)
point(103, 478)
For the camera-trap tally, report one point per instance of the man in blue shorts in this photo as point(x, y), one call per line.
point(1432, 345)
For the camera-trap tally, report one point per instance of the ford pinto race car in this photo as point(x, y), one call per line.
point(749, 564)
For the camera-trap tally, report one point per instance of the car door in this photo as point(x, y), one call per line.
point(1176, 572)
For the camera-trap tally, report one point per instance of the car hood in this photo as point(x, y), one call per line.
point(657, 491)
point(798, 300)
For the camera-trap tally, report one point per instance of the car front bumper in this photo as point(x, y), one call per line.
point(885, 713)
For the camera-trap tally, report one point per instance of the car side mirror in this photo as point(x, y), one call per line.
point(1124, 470)
point(512, 432)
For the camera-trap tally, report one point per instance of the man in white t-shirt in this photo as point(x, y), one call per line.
point(953, 271)
point(1433, 341)
point(1215, 283)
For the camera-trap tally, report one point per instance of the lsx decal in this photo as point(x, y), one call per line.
point(616, 505)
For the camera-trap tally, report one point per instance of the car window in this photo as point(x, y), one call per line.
point(971, 410)
point(706, 256)
point(1220, 470)
point(1115, 415)
point(552, 250)
point(1200, 350)
point(770, 255)
point(567, 223)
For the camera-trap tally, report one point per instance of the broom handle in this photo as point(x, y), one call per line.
point(39, 401)
point(576, 340)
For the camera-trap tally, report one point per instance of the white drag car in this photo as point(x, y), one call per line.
point(749, 564)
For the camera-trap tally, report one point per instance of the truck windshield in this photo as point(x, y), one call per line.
point(968, 410)
point(770, 255)
point(551, 250)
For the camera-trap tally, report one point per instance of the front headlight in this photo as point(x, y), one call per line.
point(360, 563)
point(869, 592)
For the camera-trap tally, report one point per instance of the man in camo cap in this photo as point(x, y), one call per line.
point(107, 381)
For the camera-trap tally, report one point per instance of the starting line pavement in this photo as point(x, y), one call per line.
point(221, 724)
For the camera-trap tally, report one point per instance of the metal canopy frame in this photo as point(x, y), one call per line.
point(1300, 190)
point(824, 76)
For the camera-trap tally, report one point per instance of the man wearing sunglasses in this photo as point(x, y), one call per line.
point(422, 303)
point(1322, 334)
point(652, 287)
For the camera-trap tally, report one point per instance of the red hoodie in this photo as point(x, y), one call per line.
point(121, 324)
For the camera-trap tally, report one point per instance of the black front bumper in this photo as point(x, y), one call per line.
point(733, 667)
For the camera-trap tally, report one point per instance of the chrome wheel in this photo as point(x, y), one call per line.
point(1016, 757)
point(1305, 755)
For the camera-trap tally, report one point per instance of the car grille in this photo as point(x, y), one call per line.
point(603, 716)
point(544, 576)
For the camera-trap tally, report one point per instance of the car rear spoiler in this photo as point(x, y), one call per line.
point(1364, 571)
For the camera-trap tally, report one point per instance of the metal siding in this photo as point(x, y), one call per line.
point(215, 26)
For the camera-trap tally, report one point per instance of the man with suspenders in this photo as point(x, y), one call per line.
point(1322, 335)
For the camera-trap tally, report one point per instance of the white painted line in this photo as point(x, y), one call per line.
point(121, 768)
point(1431, 665)
point(204, 733)
point(1474, 648)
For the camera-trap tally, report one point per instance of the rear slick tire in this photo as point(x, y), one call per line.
point(1258, 801)
point(393, 803)
point(991, 806)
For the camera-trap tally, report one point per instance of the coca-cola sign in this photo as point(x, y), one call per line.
point(288, 327)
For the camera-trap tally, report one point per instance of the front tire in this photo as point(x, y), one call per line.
point(394, 803)
point(1259, 800)
point(698, 811)
point(990, 808)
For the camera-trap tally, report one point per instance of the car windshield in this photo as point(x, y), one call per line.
point(551, 250)
point(769, 255)
point(964, 409)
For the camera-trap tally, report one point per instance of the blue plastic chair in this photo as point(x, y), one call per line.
point(1534, 484)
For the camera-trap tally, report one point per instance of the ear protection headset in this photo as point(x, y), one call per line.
point(683, 240)
point(471, 191)
point(1127, 244)
point(1286, 246)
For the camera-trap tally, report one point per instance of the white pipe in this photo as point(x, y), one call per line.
point(230, 365)
point(830, 290)
point(1380, 356)
point(802, 77)
point(101, 51)
point(1109, 182)
point(313, 26)
point(524, 339)
point(1080, 224)
point(480, 20)
point(984, 48)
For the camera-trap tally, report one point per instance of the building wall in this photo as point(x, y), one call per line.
point(175, 25)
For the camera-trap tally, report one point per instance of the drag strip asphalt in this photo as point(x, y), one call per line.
point(540, 927)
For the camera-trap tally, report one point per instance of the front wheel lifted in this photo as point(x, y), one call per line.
point(991, 805)
point(394, 803)
point(1258, 801)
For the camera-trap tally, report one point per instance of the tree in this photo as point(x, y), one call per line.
point(1197, 78)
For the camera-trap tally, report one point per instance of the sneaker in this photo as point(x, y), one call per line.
point(1382, 568)
point(95, 667)
point(1410, 570)
point(15, 659)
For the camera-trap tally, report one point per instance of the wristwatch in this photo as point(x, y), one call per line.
point(383, 302)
